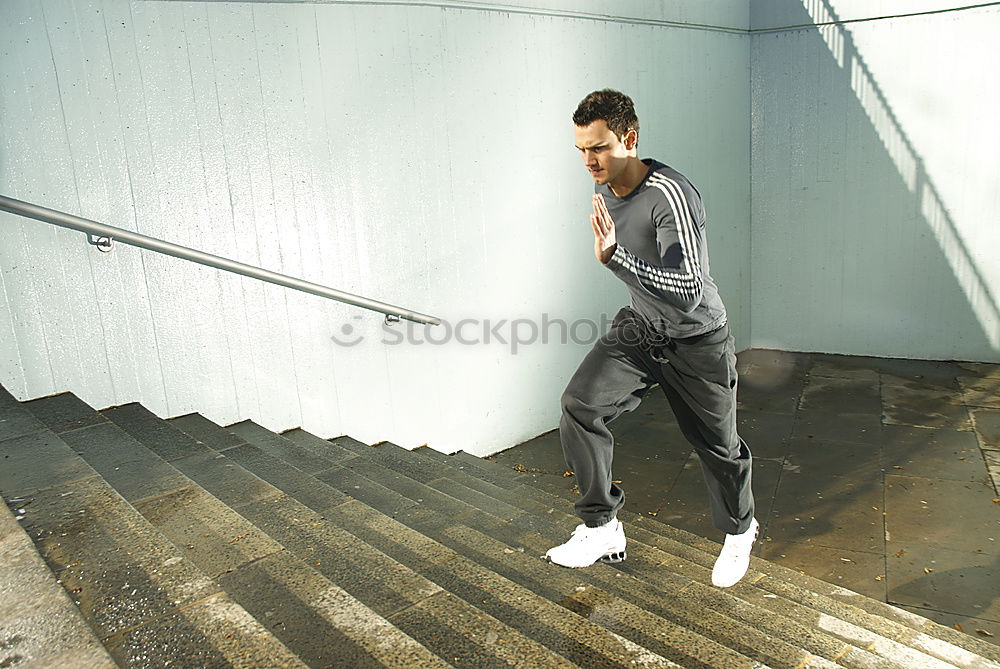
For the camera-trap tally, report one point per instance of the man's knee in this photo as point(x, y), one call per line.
point(570, 401)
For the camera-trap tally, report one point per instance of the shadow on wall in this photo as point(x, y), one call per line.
point(890, 300)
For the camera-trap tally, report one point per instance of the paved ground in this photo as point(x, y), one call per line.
point(879, 475)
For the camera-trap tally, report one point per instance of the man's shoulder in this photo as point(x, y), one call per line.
point(660, 172)
point(666, 180)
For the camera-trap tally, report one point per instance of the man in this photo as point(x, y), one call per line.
point(649, 230)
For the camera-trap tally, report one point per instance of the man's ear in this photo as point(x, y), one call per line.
point(631, 139)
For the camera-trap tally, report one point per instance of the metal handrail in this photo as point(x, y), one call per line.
point(72, 222)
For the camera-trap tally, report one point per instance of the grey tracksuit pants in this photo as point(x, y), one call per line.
point(698, 376)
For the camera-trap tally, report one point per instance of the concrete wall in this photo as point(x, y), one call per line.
point(876, 212)
point(419, 155)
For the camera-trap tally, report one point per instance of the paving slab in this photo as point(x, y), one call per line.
point(63, 412)
point(767, 434)
point(36, 461)
point(987, 630)
point(923, 406)
point(959, 582)
point(843, 367)
point(855, 570)
point(690, 495)
point(543, 453)
point(979, 369)
point(956, 515)
point(830, 425)
point(844, 395)
point(770, 380)
point(212, 632)
point(830, 494)
point(992, 460)
point(986, 423)
point(981, 392)
point(653, 441)
point(938, 373)
point(932, 453)
point(773, 399)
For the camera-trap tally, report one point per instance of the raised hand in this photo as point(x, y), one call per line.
point(604, 230)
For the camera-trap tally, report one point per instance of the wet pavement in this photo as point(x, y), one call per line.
point(879, 475)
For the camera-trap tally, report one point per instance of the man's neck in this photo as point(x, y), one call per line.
point(633, 175)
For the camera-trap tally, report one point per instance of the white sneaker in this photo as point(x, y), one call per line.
point(590, 544)
point(734, 560)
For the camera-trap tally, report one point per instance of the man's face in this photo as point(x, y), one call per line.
point(604, 154)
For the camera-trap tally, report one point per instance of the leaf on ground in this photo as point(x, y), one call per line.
point(879, 578)
point(566, 475)
point(958, 626)
point(927, 570)
point(984, 633)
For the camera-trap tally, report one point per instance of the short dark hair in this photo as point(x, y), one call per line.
point(613, 107)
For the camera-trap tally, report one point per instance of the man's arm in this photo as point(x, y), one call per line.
point(677, 277)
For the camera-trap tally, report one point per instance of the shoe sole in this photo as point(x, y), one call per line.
point(610, 558)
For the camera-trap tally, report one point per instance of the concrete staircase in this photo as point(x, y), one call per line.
point(186, 544)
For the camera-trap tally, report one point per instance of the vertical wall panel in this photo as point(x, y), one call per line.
point(874, 222)
point(382, 150)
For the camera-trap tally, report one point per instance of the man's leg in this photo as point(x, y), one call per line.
point(700, 384)
point(607, 384)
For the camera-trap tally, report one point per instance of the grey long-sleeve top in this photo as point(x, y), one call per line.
point(662, 253)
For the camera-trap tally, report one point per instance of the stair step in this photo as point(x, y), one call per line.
point(699, 569)
point(291, 598)
point(820, 598)
point(377, 469)
point(342, 557)
point(39, 625)
point(383, 570)
point(723, 626)
point(432, 502)
point(337, 553)
point(130, 583)
point(242, 557)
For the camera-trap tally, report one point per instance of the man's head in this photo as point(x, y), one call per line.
point(612, 107)
point(607, 134)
